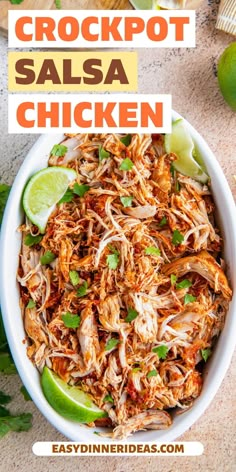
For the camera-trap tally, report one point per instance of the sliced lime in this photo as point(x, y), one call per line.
point(70, 402)
point(180, 143)
point(43, 191)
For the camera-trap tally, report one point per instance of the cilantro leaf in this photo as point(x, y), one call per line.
point(67, 197)
point(31, 240)
point(4, 412)
point(58, 4)
point(16, 2)
point(108, 398)
point(173, 279)
point(80, 189)
point(102, 153)
point(184, 284)
point(205, 353)
point(82, 290)
point(161, 351)
point(113, 249)
point(126, 164)
point(152, 373)
point(188, 298)
point(132, 314)
point(126, 140)
point(177, 237)
point(47, 258)
point(74, 277)
point(25, 394)
point(126, 201)
point(112, 261)
point(7, 365)
point(111, 343)
point(3, 339)
point(4, 399)
point(30, 304)
point(15, 423)
point(163, 221)
point(4, 193)
point(58, 150)
point(136, 369)
point(70, 320)
point(152, 251)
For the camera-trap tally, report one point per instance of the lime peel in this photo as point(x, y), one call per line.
point(43, 192)
point(70, 402)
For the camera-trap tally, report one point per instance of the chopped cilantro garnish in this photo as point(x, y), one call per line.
point(80, 190)
point(132, 314)
point(205, 353)
point(59, 150)
point(31, 304)
point(177, 237)
point(126, 140)
point(152, 251)
point(111, 343)
point(152, 373)
point(188, 298)
point(74, 277)
point(102, 153)
point(70, 320)
point(67, 197)
point(161, 351)
point(113, 259)
point(108, 398)
point(173, 279)
point(25, 394)
point(163, 221)
point(172, 170)
point(47, 258)
point(58, 4)
point(82, 290)
point(136, 369)
point(177, 186)
point(31, 240)
point(184, 284)
point(126, 164)
point(126, 201)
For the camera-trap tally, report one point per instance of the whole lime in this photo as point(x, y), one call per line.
point(227, 75)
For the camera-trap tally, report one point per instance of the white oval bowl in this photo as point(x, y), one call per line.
point(216, 368)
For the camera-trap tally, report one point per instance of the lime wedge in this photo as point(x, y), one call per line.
point(43, 191)
point(180, 143)
point(69, 402)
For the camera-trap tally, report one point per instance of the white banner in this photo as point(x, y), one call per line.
point(68, 113)
point(194, 448)
point(100, 28)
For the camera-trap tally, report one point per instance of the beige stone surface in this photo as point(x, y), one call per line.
point(189, 75)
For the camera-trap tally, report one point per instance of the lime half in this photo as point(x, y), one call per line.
point(180, 143)
point(43, 191)
point(227, 75)
point(69, 402)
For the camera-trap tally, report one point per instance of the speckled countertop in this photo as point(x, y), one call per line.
point(189, 75)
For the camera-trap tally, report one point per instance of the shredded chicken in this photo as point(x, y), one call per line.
point(139, 259)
